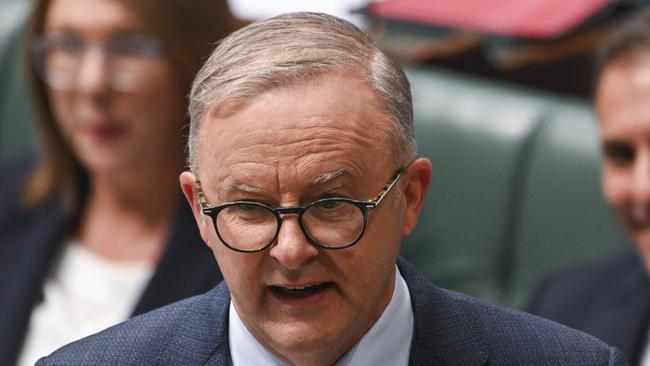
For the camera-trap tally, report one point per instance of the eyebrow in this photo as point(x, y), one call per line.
point(243, 187)
point(328, 176)
point(318, 180)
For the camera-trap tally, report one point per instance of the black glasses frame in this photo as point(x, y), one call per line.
point(364, 206)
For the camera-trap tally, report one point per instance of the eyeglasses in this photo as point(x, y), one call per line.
point(328, 223)
point(127, 55)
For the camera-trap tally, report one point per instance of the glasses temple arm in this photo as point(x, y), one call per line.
point(380, 197)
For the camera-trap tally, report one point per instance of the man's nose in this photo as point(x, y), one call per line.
point(292, 250)
point(93, 72)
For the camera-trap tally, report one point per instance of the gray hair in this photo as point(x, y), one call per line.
point(288, 48)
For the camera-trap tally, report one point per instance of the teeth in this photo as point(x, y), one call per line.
point(299, 287)
point(301, 290)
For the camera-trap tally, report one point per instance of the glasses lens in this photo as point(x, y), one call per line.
point(130, 56)
point(333, 223)
point(246, 226)
point(59, 57)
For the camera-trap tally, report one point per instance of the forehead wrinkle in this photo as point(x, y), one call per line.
point(319, 140)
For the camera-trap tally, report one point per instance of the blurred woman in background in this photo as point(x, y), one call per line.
point(94, 231)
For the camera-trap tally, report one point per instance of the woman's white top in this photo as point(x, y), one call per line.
point(83, 295)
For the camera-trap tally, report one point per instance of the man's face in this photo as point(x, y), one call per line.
point(326, 137)
point(623, 105)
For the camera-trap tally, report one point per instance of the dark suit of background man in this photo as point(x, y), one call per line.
point(304, 180)
point(611, 299)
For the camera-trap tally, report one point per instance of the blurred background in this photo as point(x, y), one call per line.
point(502, 94)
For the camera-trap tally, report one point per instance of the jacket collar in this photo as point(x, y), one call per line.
point(626, 326)
point(445, 331)
point(30, 244)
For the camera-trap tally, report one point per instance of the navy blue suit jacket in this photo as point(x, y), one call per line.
point(31, 239)
point(609, 299)
point(450, 329)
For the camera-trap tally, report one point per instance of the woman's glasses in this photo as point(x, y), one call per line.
point(127, 57)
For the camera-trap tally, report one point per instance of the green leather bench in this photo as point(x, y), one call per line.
point(515, 190)
point(16, 117)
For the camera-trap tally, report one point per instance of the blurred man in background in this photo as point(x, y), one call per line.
point(611, 299)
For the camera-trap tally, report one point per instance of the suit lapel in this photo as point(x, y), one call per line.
point(204, 332)
point(627, 326)
point(31, 241)
point(220, 356)
point(444, 333)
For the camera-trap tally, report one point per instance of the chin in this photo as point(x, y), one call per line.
point(104, 163)
point(300, 337)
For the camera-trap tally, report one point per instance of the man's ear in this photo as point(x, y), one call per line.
point(416, 181)
point(188, 185)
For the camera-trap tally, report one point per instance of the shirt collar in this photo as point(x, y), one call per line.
point(388, 342)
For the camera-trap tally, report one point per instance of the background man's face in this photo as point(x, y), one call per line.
point(623, 105)
point(280, 150)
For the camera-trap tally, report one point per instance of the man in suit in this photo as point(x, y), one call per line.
point(304, 180)
point(611, 299)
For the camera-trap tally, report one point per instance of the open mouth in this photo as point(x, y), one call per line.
point(289, 292)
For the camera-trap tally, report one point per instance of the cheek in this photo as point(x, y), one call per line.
point(385, 231)
point(159, 101)
point(161, 96)
point(61, 105)
point(374, 258)
point(615, 187)
point(241, 271)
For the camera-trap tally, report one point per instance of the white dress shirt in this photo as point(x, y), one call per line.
point(388, 342)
